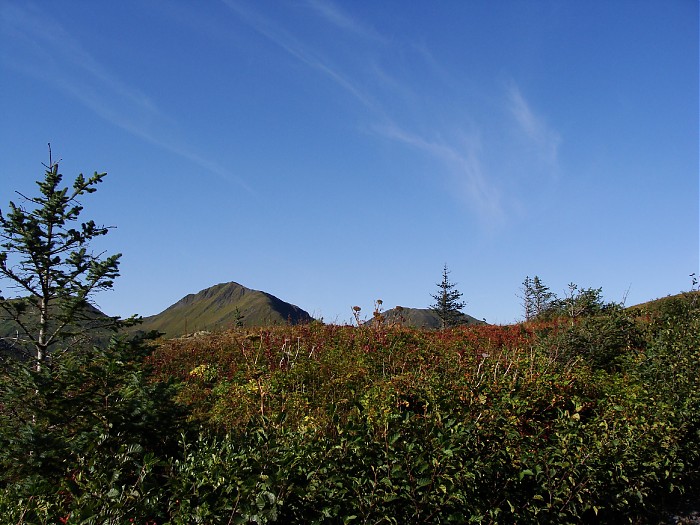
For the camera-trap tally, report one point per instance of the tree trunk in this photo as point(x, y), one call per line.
point(43, 329)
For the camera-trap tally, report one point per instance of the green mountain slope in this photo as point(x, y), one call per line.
point(420, 318)
point(223, 306)
point(657, 305)
point(91, 328)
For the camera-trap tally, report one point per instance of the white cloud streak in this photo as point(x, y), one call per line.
point(54, 56)
point(301, 52)
point(340, 19)
point(464, 162)
point(544, 139)
point(462, 156)
point(53, 53)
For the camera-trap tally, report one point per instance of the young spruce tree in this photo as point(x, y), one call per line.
point(45, 257)
point(447, 305)
point(85, 435)
point(537, 299)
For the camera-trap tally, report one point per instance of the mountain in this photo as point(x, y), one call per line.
point(91, 327)
point(691, 298)
point(420, 318)
point(223, 306)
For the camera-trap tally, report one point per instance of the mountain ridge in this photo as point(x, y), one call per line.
point(421, 318)
point(230, 304)
point(221, 306)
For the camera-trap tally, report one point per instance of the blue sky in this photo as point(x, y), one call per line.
point(334, 153)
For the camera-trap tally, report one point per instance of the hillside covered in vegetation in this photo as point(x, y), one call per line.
point(224, 305)
point(563, 420)
point(586, 412)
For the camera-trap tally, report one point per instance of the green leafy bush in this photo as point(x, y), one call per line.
point(547, 422)
point(85, 435)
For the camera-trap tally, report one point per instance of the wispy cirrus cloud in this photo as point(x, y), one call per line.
point(341, 19)
point(544, 139)
point(463, 161)
point(383, 93)
point(461, 157)
point(397, 84)
point(57, 58)
point(302, 52)
point(55, 55)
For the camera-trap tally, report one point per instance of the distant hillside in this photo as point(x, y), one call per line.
point(658, 304)
point(223, 306)
point(420, 318)
point(91, 329)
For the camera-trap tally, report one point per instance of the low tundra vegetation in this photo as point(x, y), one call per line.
point(563, 420)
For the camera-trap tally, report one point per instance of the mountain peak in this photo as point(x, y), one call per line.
point(421, 317)
point(221, 306)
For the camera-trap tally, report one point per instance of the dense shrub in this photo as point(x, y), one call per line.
point(86, 435)
point(548, 422)
point(605, 342)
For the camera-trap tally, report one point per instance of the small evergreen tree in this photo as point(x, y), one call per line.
point(527, 298)
point(85, 434)
point(537, 299)
point(44, 256)
point(447, 305)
